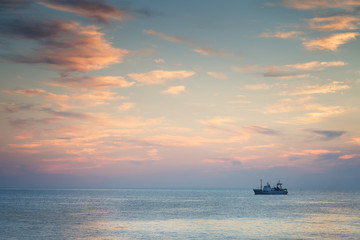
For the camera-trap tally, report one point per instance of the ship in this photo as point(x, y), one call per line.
point(268, 190)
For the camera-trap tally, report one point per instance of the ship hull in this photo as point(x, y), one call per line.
point(261, 192)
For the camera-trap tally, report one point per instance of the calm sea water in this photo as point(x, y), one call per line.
point(177, 214)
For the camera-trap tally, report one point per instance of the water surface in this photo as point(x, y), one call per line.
point(177, 214)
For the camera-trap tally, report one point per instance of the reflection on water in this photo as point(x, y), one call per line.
point(177, 214)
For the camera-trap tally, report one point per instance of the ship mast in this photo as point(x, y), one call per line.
point(260, 184)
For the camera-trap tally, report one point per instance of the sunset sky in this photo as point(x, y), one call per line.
point(203, 93)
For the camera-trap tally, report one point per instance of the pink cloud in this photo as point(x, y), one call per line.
point(330, 43)
point(159, 76)
point(349, 156)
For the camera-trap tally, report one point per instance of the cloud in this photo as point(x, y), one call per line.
point(207, 51)
point(203, 50)
point(223, 124)
point(299, 69)
point(175, 90)
point(320, 113)
point(14, 107)
point(159, 60)
point(178, 140)
point(84, 83)
point(27, 92)
point(263, 86)
point(245, 68)
point(89, 98)
point(70, 115)
point(318, 89)
point(218, 75)
point(349, 156)
point(330, 43)
point(308, 152)
point(282, 35)
point(96, 10)
point(256, 147)
point(65, 45)
point(314, 4)
point(261, 130)
point(312, 112)
point(159, 76)
point(216, 121)
point(171, 38)
point(334, 23)
point(26, 134)
point(355, 141)
point(153, 154)
point(327, 134)
point(126, 106)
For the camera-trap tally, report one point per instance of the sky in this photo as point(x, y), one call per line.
point(180, 94)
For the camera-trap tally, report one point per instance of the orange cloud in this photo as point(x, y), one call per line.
point(330, 43)
point(207, 51)
point(217, 121)
point(70, 47)
point(282, 35)
point(319, 114)
point(299, 69)
point(334, 23)
point(126, 106)
point(98, 10)
point(308, 152)
point(28, 92)
point(256, 147)
point(159, 76)
point(178, 140)
point(263, 86)
point(84, 83)
point(319, 89)
point(25, 134)
point(170, 38)
point(175, 90)
point(312, 112)
point(356, 141)
point(313, 4)
point(25, 145)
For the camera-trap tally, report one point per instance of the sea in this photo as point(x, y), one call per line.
point(177, 214)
